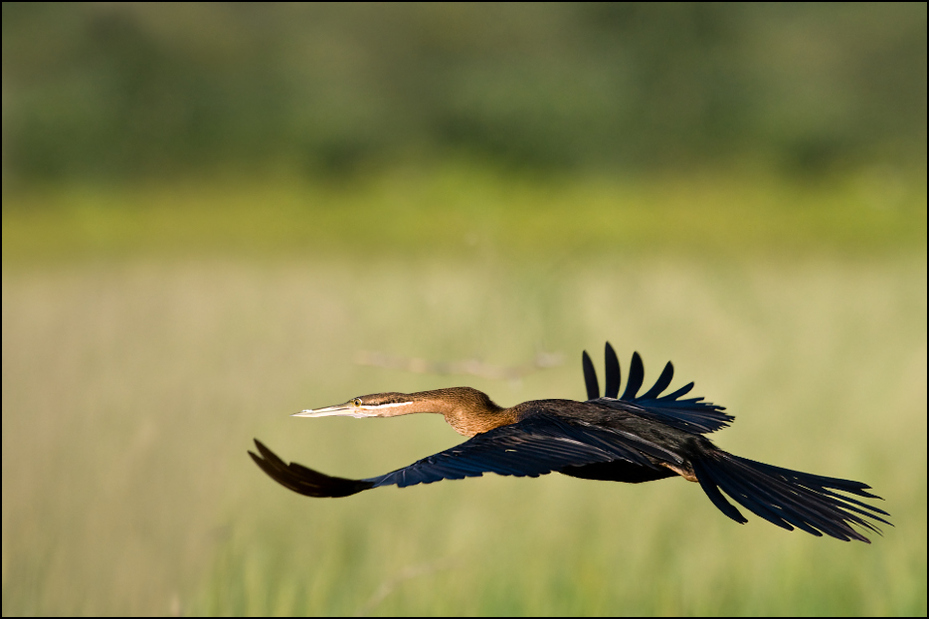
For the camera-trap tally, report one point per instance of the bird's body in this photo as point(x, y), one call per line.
point(628, 438)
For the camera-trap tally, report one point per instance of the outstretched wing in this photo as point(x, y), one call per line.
point(690, 414)
point(535, 446)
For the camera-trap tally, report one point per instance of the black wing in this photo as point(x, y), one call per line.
point(305, 480)
point(535, 446)
point(691, 414)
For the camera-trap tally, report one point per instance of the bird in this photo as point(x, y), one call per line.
point(628, 438)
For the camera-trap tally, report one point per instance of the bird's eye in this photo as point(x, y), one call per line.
point(356, 402)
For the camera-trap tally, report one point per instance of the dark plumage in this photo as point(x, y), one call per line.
point(630, 438)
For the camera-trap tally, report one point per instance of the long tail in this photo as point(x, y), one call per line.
point(789, 499)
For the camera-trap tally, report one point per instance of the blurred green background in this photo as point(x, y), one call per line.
point(210, 211)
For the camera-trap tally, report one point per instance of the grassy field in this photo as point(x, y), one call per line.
point(136, 375)
point(473, 214)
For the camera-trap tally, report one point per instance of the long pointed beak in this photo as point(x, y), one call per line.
point(342, 410)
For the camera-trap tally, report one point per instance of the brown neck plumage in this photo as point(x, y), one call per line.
point(467, 410)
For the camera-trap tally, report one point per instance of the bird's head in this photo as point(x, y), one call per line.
point(374, 405)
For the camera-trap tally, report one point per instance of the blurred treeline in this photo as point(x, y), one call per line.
point(131, 90)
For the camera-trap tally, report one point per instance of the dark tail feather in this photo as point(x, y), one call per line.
point(305, 480)
point(789, 499)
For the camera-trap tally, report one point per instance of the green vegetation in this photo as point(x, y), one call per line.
point(117, 91)
point(132, 389)
point(474, 213)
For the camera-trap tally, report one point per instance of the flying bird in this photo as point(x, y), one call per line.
point(627, 438)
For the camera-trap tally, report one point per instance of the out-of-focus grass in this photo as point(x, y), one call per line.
point(131, 392)
point(472, 212)
point(150, 332)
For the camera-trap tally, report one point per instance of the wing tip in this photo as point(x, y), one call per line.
point(304, 480)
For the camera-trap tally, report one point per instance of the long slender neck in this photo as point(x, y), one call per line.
point(467, 410)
